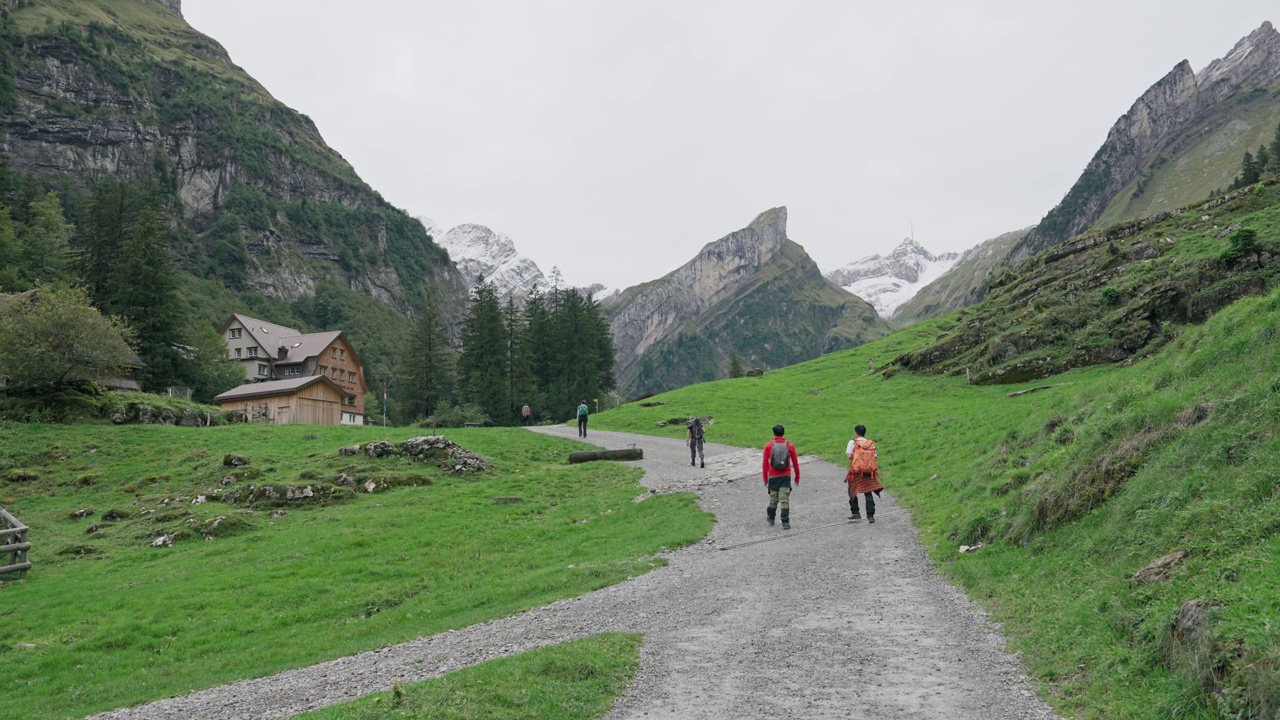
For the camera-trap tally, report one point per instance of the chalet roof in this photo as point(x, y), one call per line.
point(269, 335)
point(277, 387)
point(305, 346)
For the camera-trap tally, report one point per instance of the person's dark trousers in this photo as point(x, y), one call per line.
point(871, 504)
point(695, 450)
point(582, 426)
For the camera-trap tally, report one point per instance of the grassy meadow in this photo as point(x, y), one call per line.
point(574, 681)
point(105, 620)
point(1071, 489)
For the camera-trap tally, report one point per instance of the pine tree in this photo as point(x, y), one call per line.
point(44, 242)
point(141, 286)
point(112, 210)
point(735, 366)
point(519, 377)
point(10, 273)
point(1273, 155)
point(482, 366)
point(424, 367)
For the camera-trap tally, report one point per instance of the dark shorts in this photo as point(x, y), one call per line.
point(779, 482)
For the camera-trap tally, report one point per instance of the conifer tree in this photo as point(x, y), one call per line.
point(425, 367)
point(10, 253)
point(44, 242)
point(735, 366)
point(482, 366)
point(1273, 155)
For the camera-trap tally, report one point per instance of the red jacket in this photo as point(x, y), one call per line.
point(769, 472)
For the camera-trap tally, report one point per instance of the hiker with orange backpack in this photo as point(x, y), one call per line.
point(864, 474)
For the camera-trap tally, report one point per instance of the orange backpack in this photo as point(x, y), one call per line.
point(863, 461)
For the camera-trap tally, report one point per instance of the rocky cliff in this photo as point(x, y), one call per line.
point(126, 89)
point(1170, 118)
point(754, 294)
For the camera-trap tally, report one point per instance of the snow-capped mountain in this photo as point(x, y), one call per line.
point(481, 252)
point(889, 281)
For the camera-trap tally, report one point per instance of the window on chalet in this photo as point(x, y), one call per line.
point(342, 354)
point(351, 376)
point(335, 353)
point(322, 370)
point(262, 370)
point(237, 353)
point(253, 352)
point(235, 333)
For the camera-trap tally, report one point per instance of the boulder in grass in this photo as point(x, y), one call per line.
point(163, 541)
point(1161, 570)
point(381, 448)
point(234, 460)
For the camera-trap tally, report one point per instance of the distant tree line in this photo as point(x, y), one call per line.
point(110, 251)
point(551, 354)
point(1259, 164)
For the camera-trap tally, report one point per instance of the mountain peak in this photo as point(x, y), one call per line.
point(479, 251)
point(1258, 53)
point(888, 281)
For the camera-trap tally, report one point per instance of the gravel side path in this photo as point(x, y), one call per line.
point(843, 622)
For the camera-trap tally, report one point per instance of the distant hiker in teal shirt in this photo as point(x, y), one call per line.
point(582, 419)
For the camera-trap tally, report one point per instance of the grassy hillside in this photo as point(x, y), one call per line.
point(1071, 490)
point(1115, 294)
point(256, 583)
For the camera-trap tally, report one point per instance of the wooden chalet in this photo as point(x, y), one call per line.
point(270, 353)
point(312, 400)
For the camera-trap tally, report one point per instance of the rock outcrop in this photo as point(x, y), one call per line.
point(754, 294)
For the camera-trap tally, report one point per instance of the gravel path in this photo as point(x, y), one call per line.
point(848, 621)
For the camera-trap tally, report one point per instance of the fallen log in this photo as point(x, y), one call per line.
point(591, 455)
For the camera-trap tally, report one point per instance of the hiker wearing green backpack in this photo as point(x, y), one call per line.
point(864, 474)
point(582, 419)
point(779, 461)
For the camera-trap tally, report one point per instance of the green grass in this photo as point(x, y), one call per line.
point(573, 681)
point(1072, 489)
point(105, 620)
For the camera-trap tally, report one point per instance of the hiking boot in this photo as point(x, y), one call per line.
point(786, 525)
point(769, 513)
point(856, 516)
point(704, 464)
point(871, 518)
point(692, 463)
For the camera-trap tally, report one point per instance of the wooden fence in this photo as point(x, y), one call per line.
point(13, 542)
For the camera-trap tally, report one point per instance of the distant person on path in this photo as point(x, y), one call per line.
point(693, 437)
point(525, 415)
point(779, 461)
point(864, 473)
point(582, 419)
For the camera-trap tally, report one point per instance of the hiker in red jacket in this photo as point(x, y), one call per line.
point(864, 473)
point(779, 461)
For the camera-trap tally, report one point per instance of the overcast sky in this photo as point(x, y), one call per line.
point(615, 139)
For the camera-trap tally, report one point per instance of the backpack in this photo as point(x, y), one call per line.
point(779, 458)
point(695, 430)
point(864, 461)
point(582, 411)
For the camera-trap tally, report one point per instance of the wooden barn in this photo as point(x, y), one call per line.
point(308, 400)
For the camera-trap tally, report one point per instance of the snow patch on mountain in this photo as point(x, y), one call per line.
point(888, 281)
point(479, 252)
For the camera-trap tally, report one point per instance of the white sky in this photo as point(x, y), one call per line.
point(615, 139)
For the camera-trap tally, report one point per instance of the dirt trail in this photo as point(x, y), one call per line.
point(845, 622)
